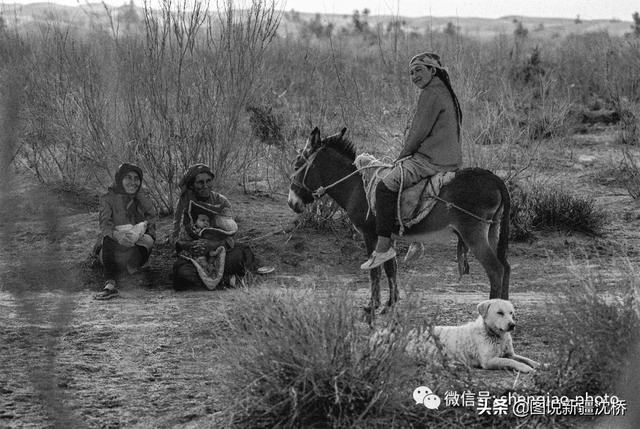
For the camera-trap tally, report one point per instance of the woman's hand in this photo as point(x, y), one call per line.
point(199, 247)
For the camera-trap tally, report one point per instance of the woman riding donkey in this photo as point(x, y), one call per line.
point(203, 233)
point(432, 145)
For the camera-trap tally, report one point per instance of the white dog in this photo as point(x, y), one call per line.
point(484, 343)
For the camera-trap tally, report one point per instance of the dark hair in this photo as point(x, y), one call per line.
point(444, 76)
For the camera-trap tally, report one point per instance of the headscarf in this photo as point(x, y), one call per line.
point(117, 187)
point(190, 175)
point(186, 193)
point(122, 171)
point(430, 59)
point(427, 59)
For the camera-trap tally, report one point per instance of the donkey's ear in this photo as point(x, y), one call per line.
point(315, 139)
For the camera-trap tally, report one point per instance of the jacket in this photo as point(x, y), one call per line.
point(113, 212)
point(434, 129)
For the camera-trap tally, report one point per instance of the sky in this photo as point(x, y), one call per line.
point(587, 9)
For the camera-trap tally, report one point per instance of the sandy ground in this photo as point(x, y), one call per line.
point(148, 358)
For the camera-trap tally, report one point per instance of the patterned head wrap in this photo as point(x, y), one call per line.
point(427, 59)
point(192, 172)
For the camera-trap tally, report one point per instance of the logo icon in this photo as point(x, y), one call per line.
point(425, 396)
point(419, 394)
point(431, 401)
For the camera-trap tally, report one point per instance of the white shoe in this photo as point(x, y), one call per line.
point(376, 259)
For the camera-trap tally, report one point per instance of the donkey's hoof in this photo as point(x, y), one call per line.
point(369, 310)
point(387, 308)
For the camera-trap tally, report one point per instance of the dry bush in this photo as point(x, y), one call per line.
point(296, 362)
point(629, 125)
point(174, 90)
point(630, 172)
point(551, 208)
point(166, 98)
point(303, 359)
point(597, 336)
point(323, 215)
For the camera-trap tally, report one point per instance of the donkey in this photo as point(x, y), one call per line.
point(475, 206)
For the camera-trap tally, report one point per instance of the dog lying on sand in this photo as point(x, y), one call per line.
point(484, 343)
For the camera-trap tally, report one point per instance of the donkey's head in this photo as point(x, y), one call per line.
point(308, 173)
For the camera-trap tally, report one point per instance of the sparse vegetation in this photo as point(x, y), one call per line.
point(630, 171)
point(296, 361)
point(636, 24)
point(174, 87)
point(551, 208)
point(597, 341)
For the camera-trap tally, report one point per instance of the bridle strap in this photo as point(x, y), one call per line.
point(307, 164)
point(320, 191)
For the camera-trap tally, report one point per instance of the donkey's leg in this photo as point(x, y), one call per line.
point(374, 275)
point(462, 257)
point(476, 238)
point(391, 270)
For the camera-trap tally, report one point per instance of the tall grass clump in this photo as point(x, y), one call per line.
point(629, 125)
point(552, 208)
point(597, 337)
point(296, 361)
point(630, 170)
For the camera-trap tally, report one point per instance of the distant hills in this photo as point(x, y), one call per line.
point(95, 14)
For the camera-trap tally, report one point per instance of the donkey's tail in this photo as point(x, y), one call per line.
point(503, 238)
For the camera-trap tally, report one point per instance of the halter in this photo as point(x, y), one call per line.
point(307, 164)
point(321, 190)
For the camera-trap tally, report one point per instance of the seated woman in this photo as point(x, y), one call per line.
point(127, 228)
point(203, 233)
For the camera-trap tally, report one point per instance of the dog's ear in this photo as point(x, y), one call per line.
point(483, 307)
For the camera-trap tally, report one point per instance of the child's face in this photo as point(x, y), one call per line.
point(202, 221)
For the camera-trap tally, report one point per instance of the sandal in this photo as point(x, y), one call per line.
point(108, 292)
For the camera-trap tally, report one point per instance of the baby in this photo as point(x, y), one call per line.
point(202, 222)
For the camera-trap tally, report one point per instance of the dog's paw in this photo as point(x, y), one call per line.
point(524, 368)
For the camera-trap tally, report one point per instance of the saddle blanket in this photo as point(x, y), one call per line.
point(415, 201)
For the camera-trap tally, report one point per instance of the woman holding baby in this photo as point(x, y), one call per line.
point(203, 233)
point(127, 228)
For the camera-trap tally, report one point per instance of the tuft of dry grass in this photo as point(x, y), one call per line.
point(597, 336)
point(552, 208)
point(302, 359)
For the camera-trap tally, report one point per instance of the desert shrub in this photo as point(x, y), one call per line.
point(598, 333)
point(519, 224)
point(548, 207)
point(529, 71)
point(299, 359)
point(630, 172)
point(297, 362)
point(325, 214)
point(629, 125)
point(268, 157)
